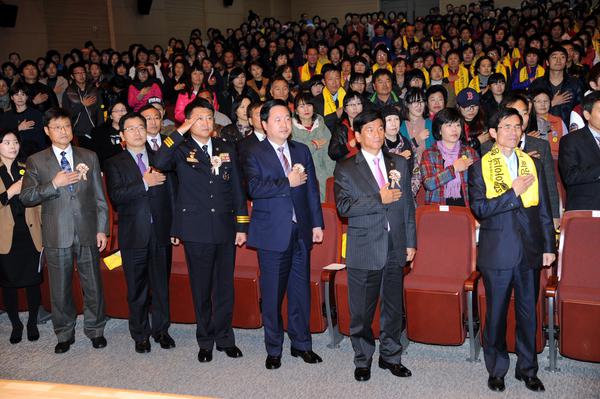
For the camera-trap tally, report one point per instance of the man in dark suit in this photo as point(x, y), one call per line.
point(143, 198)
point(508, 196)
point(579, 159)
point(535, 147)
point(66, 181)
point(286, 220)
point(154, 122)
point(381, 239)
point(257, 135)
point(210, 218)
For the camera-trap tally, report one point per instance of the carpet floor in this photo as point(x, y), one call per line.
point(438, 371)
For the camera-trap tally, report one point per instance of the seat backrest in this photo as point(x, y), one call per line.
point(445, 241)
point(578, 254)
point(329, 250)
point(329, 195)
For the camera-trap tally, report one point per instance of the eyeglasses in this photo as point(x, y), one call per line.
point(60, 127)
point(138, 128)
point(471, 108)
point(517, 127)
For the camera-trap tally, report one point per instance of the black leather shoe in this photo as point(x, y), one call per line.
point(532, 383)
point(204, 355)
point(98, 342)
point(16, 335)
point(233, 351)
point(397, 369)
point(307, 356)
point(273, 362)
point(496, 384)
point(33, 334)
point(143, 346)
point(165, 340)
point(63, 347)
point(362, 373)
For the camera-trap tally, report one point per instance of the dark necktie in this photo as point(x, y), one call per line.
point(597, 140)
point(66, 166)
point(205, 151)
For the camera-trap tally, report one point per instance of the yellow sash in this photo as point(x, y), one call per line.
point(388, 66)
point(329, 106)
point(523, 75)
point(305, 72)
point(497, 178)
point(474, 84)
point(463, 78)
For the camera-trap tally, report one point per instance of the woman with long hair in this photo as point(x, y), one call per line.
point(343, 143)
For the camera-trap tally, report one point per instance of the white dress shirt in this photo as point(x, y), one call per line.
point(370, 157)
point(208, 143)
point(513, 164)
point(286, 152)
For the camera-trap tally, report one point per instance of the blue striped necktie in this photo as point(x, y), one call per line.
point(66, 166)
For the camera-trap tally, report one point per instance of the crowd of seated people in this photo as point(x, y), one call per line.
point(437, 82)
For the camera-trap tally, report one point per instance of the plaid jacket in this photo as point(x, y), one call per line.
point(435, 176)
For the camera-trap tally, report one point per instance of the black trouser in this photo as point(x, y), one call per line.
point(11, 304)
point(210, 268)
point(146, 270)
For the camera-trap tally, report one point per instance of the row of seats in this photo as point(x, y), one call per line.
point(444, 294)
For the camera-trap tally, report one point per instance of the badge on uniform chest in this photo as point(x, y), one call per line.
point(192, 157)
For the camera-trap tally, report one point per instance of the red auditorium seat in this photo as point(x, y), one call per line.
point(576, 290)
point(323, 254)
point(246, 307)
point(114, 286)
point(329, 194)
point(343, 307)
point(435, 298)
point(180, 293)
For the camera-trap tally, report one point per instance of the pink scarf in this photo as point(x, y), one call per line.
point(452, 188)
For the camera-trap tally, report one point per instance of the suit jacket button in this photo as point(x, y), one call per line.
point(183, 210)
point(211, 196)
point(210, 182)
point(212, 210)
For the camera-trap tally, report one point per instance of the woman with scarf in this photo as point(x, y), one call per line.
point(142, 88)
point(444, 167)
point(343, 143)
point(309, 128)
point(395, 143)
point(197, 83)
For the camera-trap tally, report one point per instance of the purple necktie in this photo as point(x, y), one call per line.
point(140, 163)
point(378, 174)
point(154, 144)
point(286, 169)
point(597, 140)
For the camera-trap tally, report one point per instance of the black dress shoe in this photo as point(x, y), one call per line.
point(204, 355)
point(273, 362)
point(98, 342)
point(33, 334)
point(532, 383)
point(232, 351)
point(307, 356)
point(16, 335)
point(496, 384)
point(397, 369)
point(64, 346)
point(143, 346)
point(165, 340)
point(362, 373)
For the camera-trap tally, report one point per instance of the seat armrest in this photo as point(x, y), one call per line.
point(471, 282)
point(551, 287)
point(328, 272)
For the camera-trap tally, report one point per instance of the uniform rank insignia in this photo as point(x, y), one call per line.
point(225, 157)
point(169, 142)
point(226, 176)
